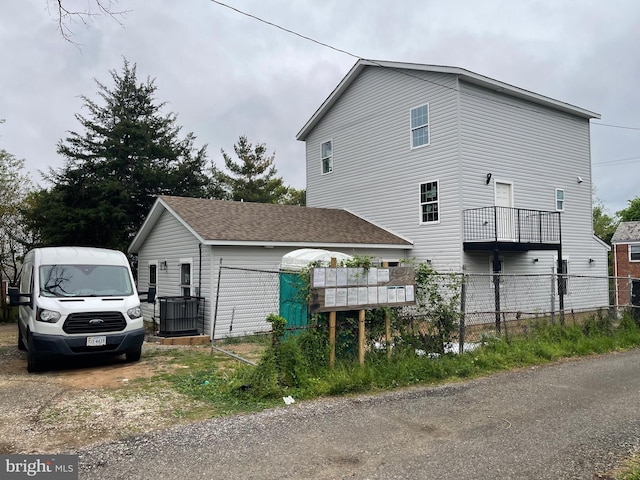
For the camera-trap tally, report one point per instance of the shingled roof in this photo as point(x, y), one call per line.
point(627, 232)
point(221, 222)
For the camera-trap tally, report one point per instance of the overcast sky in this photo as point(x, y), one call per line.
point(227, 75)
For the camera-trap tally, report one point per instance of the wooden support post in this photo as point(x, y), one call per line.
point(332, 329)
point(361, 337)
point(387, 331)
point(332, 340)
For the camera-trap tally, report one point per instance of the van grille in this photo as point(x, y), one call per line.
point(94, 322)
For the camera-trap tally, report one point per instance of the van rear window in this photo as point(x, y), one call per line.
point(84, 281)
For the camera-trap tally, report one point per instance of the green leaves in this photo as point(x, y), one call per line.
point(253, 178)
point(128, 152)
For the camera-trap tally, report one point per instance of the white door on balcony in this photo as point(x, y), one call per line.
point(505, 227)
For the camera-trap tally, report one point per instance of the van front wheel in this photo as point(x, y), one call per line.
point(21, 345)
point(133, 355)
point(34, 363)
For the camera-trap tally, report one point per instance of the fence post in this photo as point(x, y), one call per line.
point(553, 296)
point(215, 311)
point(463, 301)
point(361, 317)
point(496, 287)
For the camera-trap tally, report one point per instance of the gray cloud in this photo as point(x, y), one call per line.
point(226, 75)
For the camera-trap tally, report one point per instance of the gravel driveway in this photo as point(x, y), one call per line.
point(574, 419)
point(71, 407)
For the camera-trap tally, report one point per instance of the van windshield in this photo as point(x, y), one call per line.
point(84, 281)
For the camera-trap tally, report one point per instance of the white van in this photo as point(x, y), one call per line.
point(77, 301)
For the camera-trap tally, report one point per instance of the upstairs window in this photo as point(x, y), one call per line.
point(634, 253)
point(429, 203)
point(559, 199)
point(420, 126)
point(327, 157)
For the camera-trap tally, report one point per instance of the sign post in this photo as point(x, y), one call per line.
point(334, 289)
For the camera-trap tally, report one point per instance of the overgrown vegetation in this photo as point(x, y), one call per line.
point(298, 365)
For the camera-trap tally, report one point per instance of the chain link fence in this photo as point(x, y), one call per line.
point(484, 304)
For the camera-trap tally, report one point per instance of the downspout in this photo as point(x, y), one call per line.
point(199, 269)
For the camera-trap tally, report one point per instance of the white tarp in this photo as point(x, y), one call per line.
point(301, 258)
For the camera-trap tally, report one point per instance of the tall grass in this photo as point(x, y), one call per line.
point(298, 367)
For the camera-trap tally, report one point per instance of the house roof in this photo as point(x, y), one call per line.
point(463, 74)
point(627, 232)
point(221, 222)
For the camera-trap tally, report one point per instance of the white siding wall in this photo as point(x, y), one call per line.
point(539, 150)
point(247, 296)
point(170, 241)
point(474, 132)
point(375, 172)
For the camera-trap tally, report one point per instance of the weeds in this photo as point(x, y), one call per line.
point(297, 365)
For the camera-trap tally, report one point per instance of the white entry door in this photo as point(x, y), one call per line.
point(505, 215)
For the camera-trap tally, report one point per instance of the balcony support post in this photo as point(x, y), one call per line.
point(496, 285)
point(562, 274)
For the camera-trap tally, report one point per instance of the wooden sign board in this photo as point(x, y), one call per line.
point(346, 288)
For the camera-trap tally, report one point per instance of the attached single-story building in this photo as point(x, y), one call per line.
point(185, 243)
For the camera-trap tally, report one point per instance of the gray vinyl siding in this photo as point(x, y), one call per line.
point(376, 174)
point(539, 150)
point(249, 291)
point(473, 131)
point(170, 241)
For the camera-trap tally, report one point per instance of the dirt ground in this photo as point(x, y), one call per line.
point(71, 406)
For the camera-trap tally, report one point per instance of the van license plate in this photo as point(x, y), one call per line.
point(96, 341)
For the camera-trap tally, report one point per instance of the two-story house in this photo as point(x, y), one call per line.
point(480, 175)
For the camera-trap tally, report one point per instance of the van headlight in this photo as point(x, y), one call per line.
point(48, 316)
point(134, 312)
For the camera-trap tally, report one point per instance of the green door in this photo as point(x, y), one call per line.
point(293, 300)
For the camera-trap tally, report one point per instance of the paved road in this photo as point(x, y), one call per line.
point(573, 419)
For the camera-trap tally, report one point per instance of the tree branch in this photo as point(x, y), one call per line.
point(66, 16)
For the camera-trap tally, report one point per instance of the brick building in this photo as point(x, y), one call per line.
point(626, 262)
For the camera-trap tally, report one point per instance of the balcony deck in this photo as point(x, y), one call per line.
point(511, 229)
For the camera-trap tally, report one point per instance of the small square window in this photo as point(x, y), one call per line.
point(634, 253)
point(327, 157)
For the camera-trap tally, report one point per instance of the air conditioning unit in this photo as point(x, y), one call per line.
point(179, 316)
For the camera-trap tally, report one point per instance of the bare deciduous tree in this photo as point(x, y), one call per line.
point(66, 14)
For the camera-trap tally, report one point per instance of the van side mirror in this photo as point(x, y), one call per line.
point(15, 295)
point(151, 295)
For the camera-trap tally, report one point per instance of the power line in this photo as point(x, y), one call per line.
point(618, 161)
point(401, 71)
point(283, 29)
point(615, 126)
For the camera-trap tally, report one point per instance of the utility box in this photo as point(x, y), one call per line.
point(181, 316)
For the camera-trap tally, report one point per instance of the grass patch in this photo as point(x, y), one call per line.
point(298, 365)
point(630, 471)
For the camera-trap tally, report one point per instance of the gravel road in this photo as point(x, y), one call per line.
point(574, 419)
